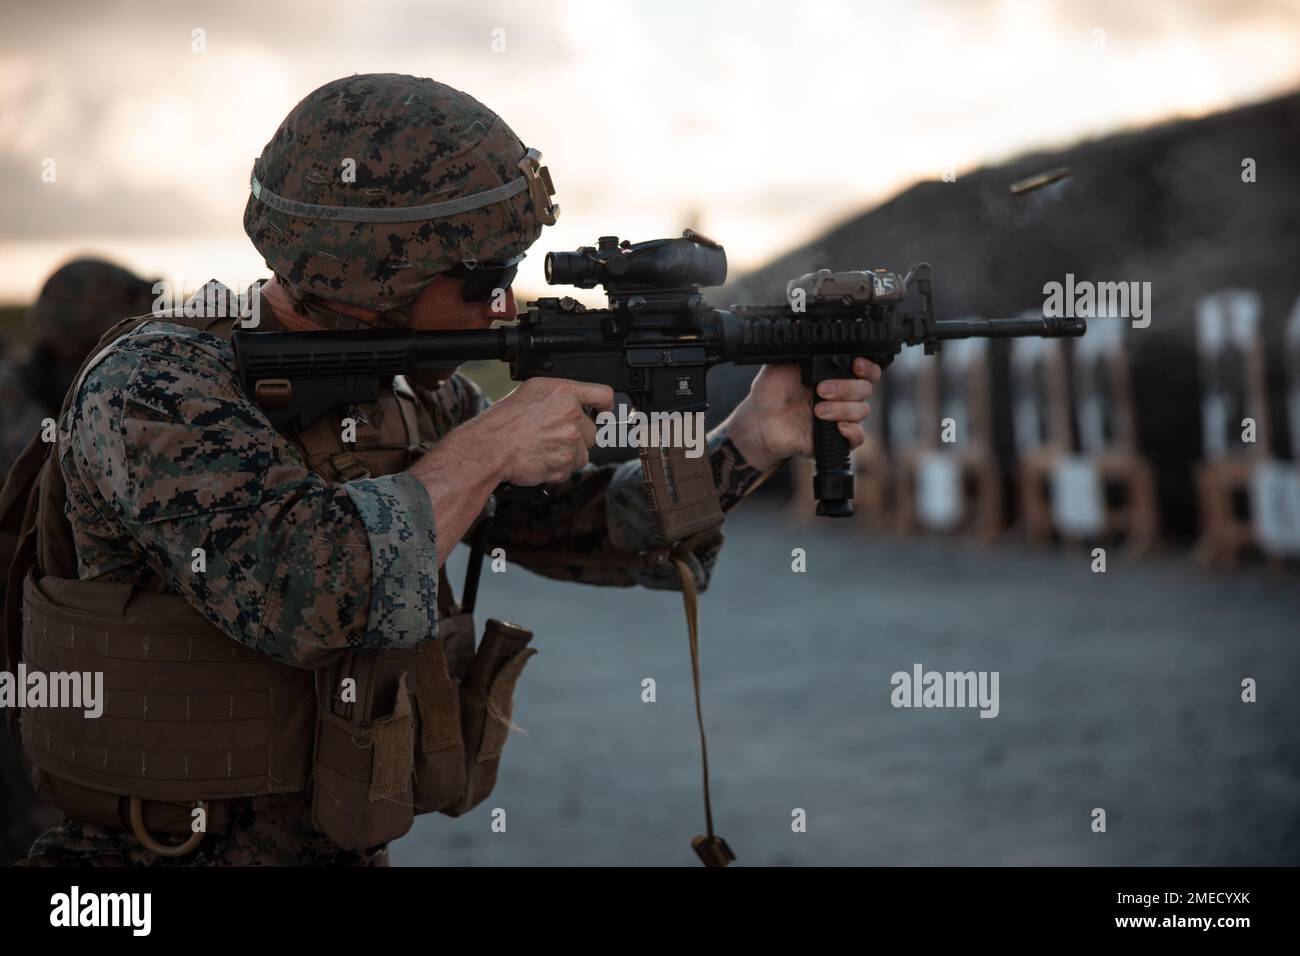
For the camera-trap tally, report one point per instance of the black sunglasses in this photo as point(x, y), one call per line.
point(483, 278)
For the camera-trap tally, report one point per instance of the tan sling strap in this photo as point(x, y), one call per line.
point(679, 491)
point(685, 507)
point(709, 847)
point(406, 405)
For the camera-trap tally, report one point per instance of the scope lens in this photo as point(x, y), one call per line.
point(567, 268)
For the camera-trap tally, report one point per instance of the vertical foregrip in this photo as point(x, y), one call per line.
point(833, 481)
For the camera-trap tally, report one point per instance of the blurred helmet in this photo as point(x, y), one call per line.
point(82, 300)
point(376, 183)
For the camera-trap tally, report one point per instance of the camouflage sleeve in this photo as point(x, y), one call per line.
point(599, 519)
point(292, 565)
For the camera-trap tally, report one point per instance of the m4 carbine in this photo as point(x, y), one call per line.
point(655, 343)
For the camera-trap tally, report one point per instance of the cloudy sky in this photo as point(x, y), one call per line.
point(761, 123)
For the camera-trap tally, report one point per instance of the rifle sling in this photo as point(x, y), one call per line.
point(712, 850)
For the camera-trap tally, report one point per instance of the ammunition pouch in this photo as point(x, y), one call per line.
point(487, 697)
point(408, 732)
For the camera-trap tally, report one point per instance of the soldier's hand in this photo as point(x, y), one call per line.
point(774, 422)
point(545, 423)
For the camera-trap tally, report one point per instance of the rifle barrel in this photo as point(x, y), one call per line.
point(1045, 326)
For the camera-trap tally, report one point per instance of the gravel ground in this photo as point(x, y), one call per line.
point(1119, 690)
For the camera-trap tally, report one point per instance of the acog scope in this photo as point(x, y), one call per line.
point(691, 261)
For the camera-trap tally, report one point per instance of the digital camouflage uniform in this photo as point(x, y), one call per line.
point(297, 568)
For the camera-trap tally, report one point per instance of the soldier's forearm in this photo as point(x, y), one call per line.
point(459, 474)
point(733, 474)
point(745, 434)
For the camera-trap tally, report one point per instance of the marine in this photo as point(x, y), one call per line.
point(323, 559)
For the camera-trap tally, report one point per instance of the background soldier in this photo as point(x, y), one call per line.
point(77, 305)
point(323, 554)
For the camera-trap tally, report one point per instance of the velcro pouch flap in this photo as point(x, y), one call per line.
point(501, 704)
point(394, 742)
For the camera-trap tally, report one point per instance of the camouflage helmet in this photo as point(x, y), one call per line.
point(376, 183)
point(82, 300)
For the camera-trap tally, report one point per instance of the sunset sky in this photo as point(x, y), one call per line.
point(760, 123)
